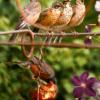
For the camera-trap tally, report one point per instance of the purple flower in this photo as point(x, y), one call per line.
point(83, 85)
point(96, 87)
point(88, 39)
point(88, 28)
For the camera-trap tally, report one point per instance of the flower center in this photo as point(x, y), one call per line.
point(83, 85)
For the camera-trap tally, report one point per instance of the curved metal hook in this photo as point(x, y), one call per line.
point(27, 53)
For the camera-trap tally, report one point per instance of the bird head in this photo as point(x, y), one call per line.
point(57, 5)
point(66, 1)
point(79, 1)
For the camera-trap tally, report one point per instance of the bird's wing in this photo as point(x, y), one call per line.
point(33, 8)
point(43, 15)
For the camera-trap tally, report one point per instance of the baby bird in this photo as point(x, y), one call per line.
point(42, 70)
point(79, 13)
point(49, 16)
point(64, 17)
point(32, 12)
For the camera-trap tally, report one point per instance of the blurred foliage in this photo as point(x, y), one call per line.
point(15, 81)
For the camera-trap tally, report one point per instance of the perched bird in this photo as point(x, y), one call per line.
point(79, 13)
point(32, 12)
point(64, 19)
point(65, 16)
point(49, 16)
point(41, 69)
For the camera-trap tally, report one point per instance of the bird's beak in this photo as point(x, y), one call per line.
point(82, 0)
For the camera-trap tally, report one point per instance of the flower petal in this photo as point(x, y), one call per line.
point(84, 76)
point(76, 80)
point(91, 81)
point(82, 98)
point(90, 92)
point(96, 85)
point(88, 40)
point(88, 28)
point(78, 92)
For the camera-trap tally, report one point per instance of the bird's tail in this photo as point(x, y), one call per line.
point(21, 25)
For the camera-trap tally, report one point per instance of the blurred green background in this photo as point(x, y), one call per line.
point(15, 81)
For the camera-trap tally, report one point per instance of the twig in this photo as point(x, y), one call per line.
point(59, 45)
point(15, 31)
point(50, 35)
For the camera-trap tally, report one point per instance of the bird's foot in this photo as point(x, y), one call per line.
point(48, 38)
point(59, 38)
point(55, 40)
point(75, 34)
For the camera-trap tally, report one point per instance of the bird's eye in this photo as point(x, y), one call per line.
point(58, 5)
point(65, 1)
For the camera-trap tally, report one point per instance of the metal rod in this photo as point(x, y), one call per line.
point(68, 34)
point(15, 31)
point(58, 45)
point(51, 35)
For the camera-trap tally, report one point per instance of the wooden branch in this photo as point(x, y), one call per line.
point(50, 35)
point(58, 45)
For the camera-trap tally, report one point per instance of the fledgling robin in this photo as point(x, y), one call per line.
point(64, 17)
point(32, 12)
point(41, 69)
point(79, 13)
point(49, 16)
